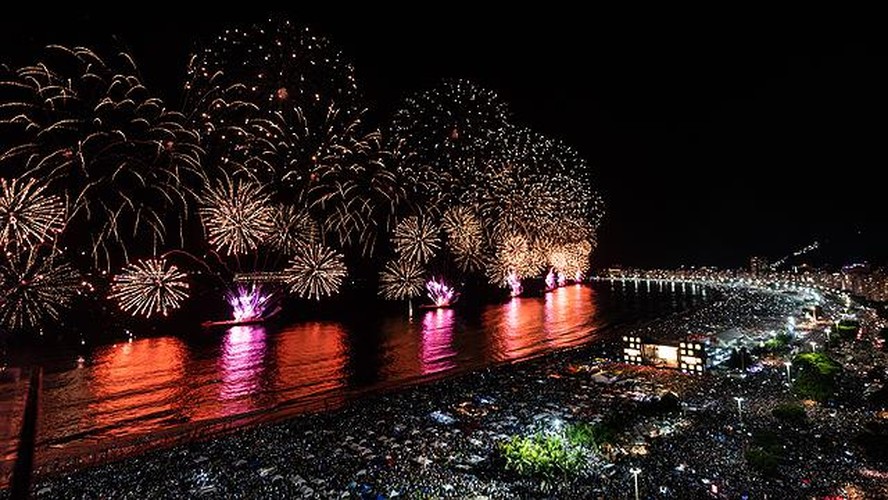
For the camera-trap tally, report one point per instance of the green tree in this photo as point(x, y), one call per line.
point(817, 374)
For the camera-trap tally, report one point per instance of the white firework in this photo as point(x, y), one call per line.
point(28, 215)
point(149, 287)
point(416, 239)
point(401, 279)
point(238, 216)
point(315, 271)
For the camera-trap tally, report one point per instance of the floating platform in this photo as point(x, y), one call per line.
point(240, 322)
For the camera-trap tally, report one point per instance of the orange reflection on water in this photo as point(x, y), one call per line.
point(569, 311)
point(521, 331)
point(437, 352)
point(242, 363)
point(309, 361)
point(140, 382)
point(557, 307)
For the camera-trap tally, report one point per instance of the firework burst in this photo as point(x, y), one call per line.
point(34, 289)
point(515, 254)
point(514, 283)
point(433, 129)
point(315, 271)
point(249, 303)
point(28, 215)
point(291, 229)
point(273, 99)
point(465, 237)
point(578, 254)
point(238, 216)
point(416, 238)
point(559, 257)
point(401, 279)
point(440, 293)
point(152, 286)
point(88, 128)
point(357, 194)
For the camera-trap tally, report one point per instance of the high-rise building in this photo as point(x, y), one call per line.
point(758, 265)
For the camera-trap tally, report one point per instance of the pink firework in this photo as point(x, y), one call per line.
point(441, 294)
point(550, 280)
point(514, 282)
point(248, 304)
point(579, 276)
point(562, 279)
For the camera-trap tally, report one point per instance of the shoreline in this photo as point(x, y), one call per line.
point(63, 452)
point(323, 404)
point(440, 439)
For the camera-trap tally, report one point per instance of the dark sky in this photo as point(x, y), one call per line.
point(709, 143)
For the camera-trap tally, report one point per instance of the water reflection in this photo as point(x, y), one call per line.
point(566, 310)
point(521, 329)
point(437, 352)
point(178, 384)
point(242, 362)
point(310, 360)
point(134, 383)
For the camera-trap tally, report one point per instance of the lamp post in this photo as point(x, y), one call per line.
point(788, 364)
point(739, 406)
point(635, 471)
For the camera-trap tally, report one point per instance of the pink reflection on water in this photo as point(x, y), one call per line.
point(242, 363)
point(437, 353)
point(557, 309)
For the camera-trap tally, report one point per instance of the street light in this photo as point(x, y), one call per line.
point(635, 471)
point(739, 406)
point(788, 364)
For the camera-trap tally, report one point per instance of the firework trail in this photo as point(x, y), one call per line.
point(89, 129)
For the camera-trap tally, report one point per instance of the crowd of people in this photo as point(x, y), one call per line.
point(443, 439)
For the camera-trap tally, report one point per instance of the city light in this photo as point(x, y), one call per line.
point(635, 471)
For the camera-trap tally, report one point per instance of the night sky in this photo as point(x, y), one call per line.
point(709, 144)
